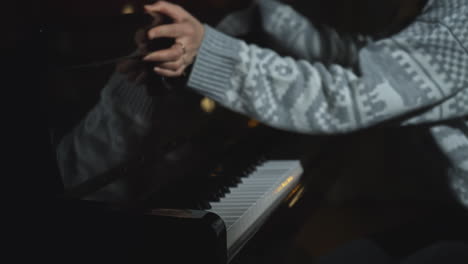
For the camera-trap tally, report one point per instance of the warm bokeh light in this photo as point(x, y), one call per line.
point(253, 123)
point(128, 9)
point(207, 105)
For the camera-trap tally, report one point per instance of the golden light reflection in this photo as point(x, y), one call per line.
point(284, 184)
point(253, 123)
point(296, 197)
point(207, 105)
point(128, 9)
point(293, 192)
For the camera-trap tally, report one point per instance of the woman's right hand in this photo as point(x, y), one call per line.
point(187, 33)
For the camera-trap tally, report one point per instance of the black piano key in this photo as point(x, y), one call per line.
point(247, 172)
point(233, 182)
point(225, 189)
point(221, 193)
point(204, 205)
point(213, 197)
point(221, 189)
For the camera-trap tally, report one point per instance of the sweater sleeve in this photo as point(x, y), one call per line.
point(108, 135)
point(293, 34)
point(405, 77)
point(297, 36)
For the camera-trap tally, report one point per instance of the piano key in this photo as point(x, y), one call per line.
point(220, 193)
point(254, 196)
point(230, 205)
point(225, 189)
point(229, 210)
point(237, 200)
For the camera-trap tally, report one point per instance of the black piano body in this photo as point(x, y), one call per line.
point(166, 222)
point(55, 228)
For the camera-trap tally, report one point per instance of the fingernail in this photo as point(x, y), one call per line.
point(157, 69)
point(147, 57)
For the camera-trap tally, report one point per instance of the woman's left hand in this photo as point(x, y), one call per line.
point(187, 32)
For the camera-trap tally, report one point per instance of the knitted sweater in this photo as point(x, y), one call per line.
point(417, 76)
point(106, 140)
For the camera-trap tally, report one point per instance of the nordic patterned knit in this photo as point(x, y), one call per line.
point(107, 138)
point(417, 76)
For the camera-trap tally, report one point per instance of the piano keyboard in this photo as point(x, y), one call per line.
point(246, 205)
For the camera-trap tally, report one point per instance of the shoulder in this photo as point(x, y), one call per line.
point(451, 13)
point(432, 49)
point(441, 27)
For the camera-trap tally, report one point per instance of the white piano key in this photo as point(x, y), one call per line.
point(259, 181)
point(241, 200)
point(231, 204)
point(244, 191)
point(255, 195)
point(230, 213)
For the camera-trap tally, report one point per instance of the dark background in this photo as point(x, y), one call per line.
point(370, 182)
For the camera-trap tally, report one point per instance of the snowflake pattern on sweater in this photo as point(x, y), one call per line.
point(417, 76)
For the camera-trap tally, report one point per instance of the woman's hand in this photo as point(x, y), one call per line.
point(188, 33)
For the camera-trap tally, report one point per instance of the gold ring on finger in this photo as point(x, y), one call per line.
point(182, 46)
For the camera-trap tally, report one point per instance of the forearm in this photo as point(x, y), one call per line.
point(312, 97)
point(293, 34)
point(281, 92)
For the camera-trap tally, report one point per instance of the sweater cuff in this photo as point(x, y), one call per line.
point(133, 99)
point(215, 63)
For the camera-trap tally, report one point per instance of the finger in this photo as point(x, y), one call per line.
point(167, 55)
point(167, 31)
point(169, 73)
point(173, 11)
point(157, 18)
point(173, 65)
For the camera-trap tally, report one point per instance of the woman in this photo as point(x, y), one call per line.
point(416, 75)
